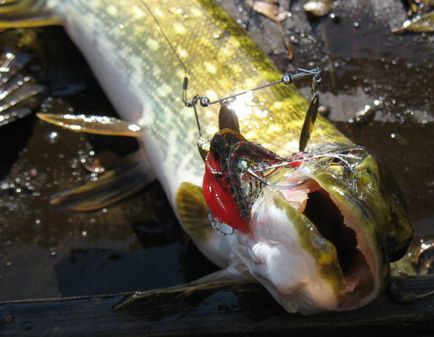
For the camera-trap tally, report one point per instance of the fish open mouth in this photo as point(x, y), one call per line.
point(339, 227)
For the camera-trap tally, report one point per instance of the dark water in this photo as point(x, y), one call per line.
point(137, 244)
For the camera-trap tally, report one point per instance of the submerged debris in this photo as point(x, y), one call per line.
point(419, 24)
point(318, 7)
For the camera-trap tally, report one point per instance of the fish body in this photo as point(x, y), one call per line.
point(300, 261)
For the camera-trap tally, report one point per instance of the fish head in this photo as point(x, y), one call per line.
point(318, 229)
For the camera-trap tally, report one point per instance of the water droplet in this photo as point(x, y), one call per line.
point(84, 234)
point(334, 18)
point(324, 110)
point(37, 221)
point(93, 165)
point(53, 137)
point(293, 39)
point(33, 172)
point(356, 24)
point(53, 252)
point(377, 102)
point(8, 263)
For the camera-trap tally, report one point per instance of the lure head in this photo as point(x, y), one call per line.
point(318, 228)
point(217, 190)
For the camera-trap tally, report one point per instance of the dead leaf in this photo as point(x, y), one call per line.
point(270, 9)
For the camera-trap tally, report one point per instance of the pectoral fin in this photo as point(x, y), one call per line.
point(25, 14)
point(100, 125)
point(19, 94)
point(193, 211)
point(121, 182)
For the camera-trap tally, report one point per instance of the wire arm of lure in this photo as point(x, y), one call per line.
point(287, 79)
point(298, 183)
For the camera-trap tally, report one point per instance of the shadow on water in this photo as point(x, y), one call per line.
point(137, 244)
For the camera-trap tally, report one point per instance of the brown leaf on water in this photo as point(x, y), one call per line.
point(270, 9)
point(420, 24)
point(318, 7)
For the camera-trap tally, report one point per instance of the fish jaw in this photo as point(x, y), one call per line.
point(274, 255)
point(299, 266)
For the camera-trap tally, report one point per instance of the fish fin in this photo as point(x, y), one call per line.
point(19, 93)
point(228, 119)
point(193, 212)
point(99, 125)
point(26, 14)
point(116, 184)
point(218, 280)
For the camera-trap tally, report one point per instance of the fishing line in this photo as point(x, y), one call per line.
point(192, 103)
point(165, 37)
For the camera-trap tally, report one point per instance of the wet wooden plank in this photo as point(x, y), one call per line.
point(247, 310)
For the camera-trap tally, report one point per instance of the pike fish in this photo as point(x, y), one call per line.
point(317, 228)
